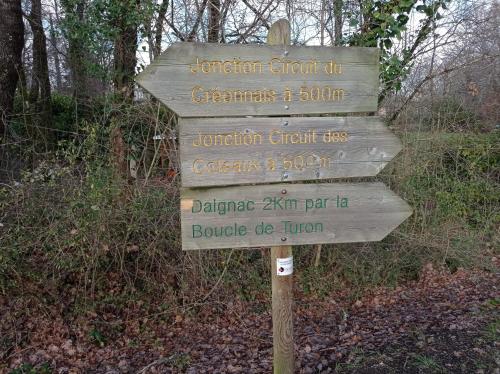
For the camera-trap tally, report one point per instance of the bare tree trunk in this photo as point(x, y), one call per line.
point(77, 52)
point(118, 153)
point(213, 21)
point(125, 59)
point(22, 84)
point(149, 34)
point(40, 82)
point(11, 47)
point(322, 25)
point(159, 28)
point(55, 54)
point(337, 10)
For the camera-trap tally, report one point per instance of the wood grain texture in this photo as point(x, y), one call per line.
point(170, 79)
point(367, 146)
point(372, 211)
point(282, 304)
point(282, 286)
point(279, 33)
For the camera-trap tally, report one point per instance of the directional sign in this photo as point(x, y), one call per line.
point(228, 151)
point(216, 80)
point(270, 215)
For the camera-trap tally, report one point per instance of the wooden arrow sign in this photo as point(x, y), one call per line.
point(228, 151)
point(269, 215)
point(217, 80)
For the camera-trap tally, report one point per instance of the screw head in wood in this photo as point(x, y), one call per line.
point(283, 191)
point(283, 239)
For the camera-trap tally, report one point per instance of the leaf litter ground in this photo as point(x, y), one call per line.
point(444, 323)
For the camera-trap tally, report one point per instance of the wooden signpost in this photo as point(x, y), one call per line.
point(203, 82)
point(226, 151)
point(293, 214)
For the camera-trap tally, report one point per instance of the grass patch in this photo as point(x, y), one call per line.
point(30, 369)
point(357, 359)
point(492, 331)
point(426, 363)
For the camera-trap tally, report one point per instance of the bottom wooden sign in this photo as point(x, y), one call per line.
point(291, 214)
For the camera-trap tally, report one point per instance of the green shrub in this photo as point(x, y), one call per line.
point(449, 114)
point(64, 115)
point(453, 178)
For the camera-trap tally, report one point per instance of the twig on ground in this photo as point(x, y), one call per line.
point(161, 360)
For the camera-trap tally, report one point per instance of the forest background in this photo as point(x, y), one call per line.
point(89, 173)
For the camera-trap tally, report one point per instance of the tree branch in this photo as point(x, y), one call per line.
point(192, 34)
point(257, 13)
point(430, 77)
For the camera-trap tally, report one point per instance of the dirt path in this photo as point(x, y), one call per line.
point(442, 324)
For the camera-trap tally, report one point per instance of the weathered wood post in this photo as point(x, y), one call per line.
point(283, 353)
point(282, 285)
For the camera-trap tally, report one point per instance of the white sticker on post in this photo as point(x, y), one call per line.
point(284, 266)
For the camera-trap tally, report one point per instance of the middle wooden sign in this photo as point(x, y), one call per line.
point(229, 151)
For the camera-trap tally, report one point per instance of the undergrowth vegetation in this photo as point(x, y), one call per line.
point(71, 230)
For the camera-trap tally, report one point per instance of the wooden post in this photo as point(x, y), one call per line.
point(282, 285)
point(283, 355)
point(317, 257)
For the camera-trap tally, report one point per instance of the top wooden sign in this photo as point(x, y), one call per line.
point(219, 80)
